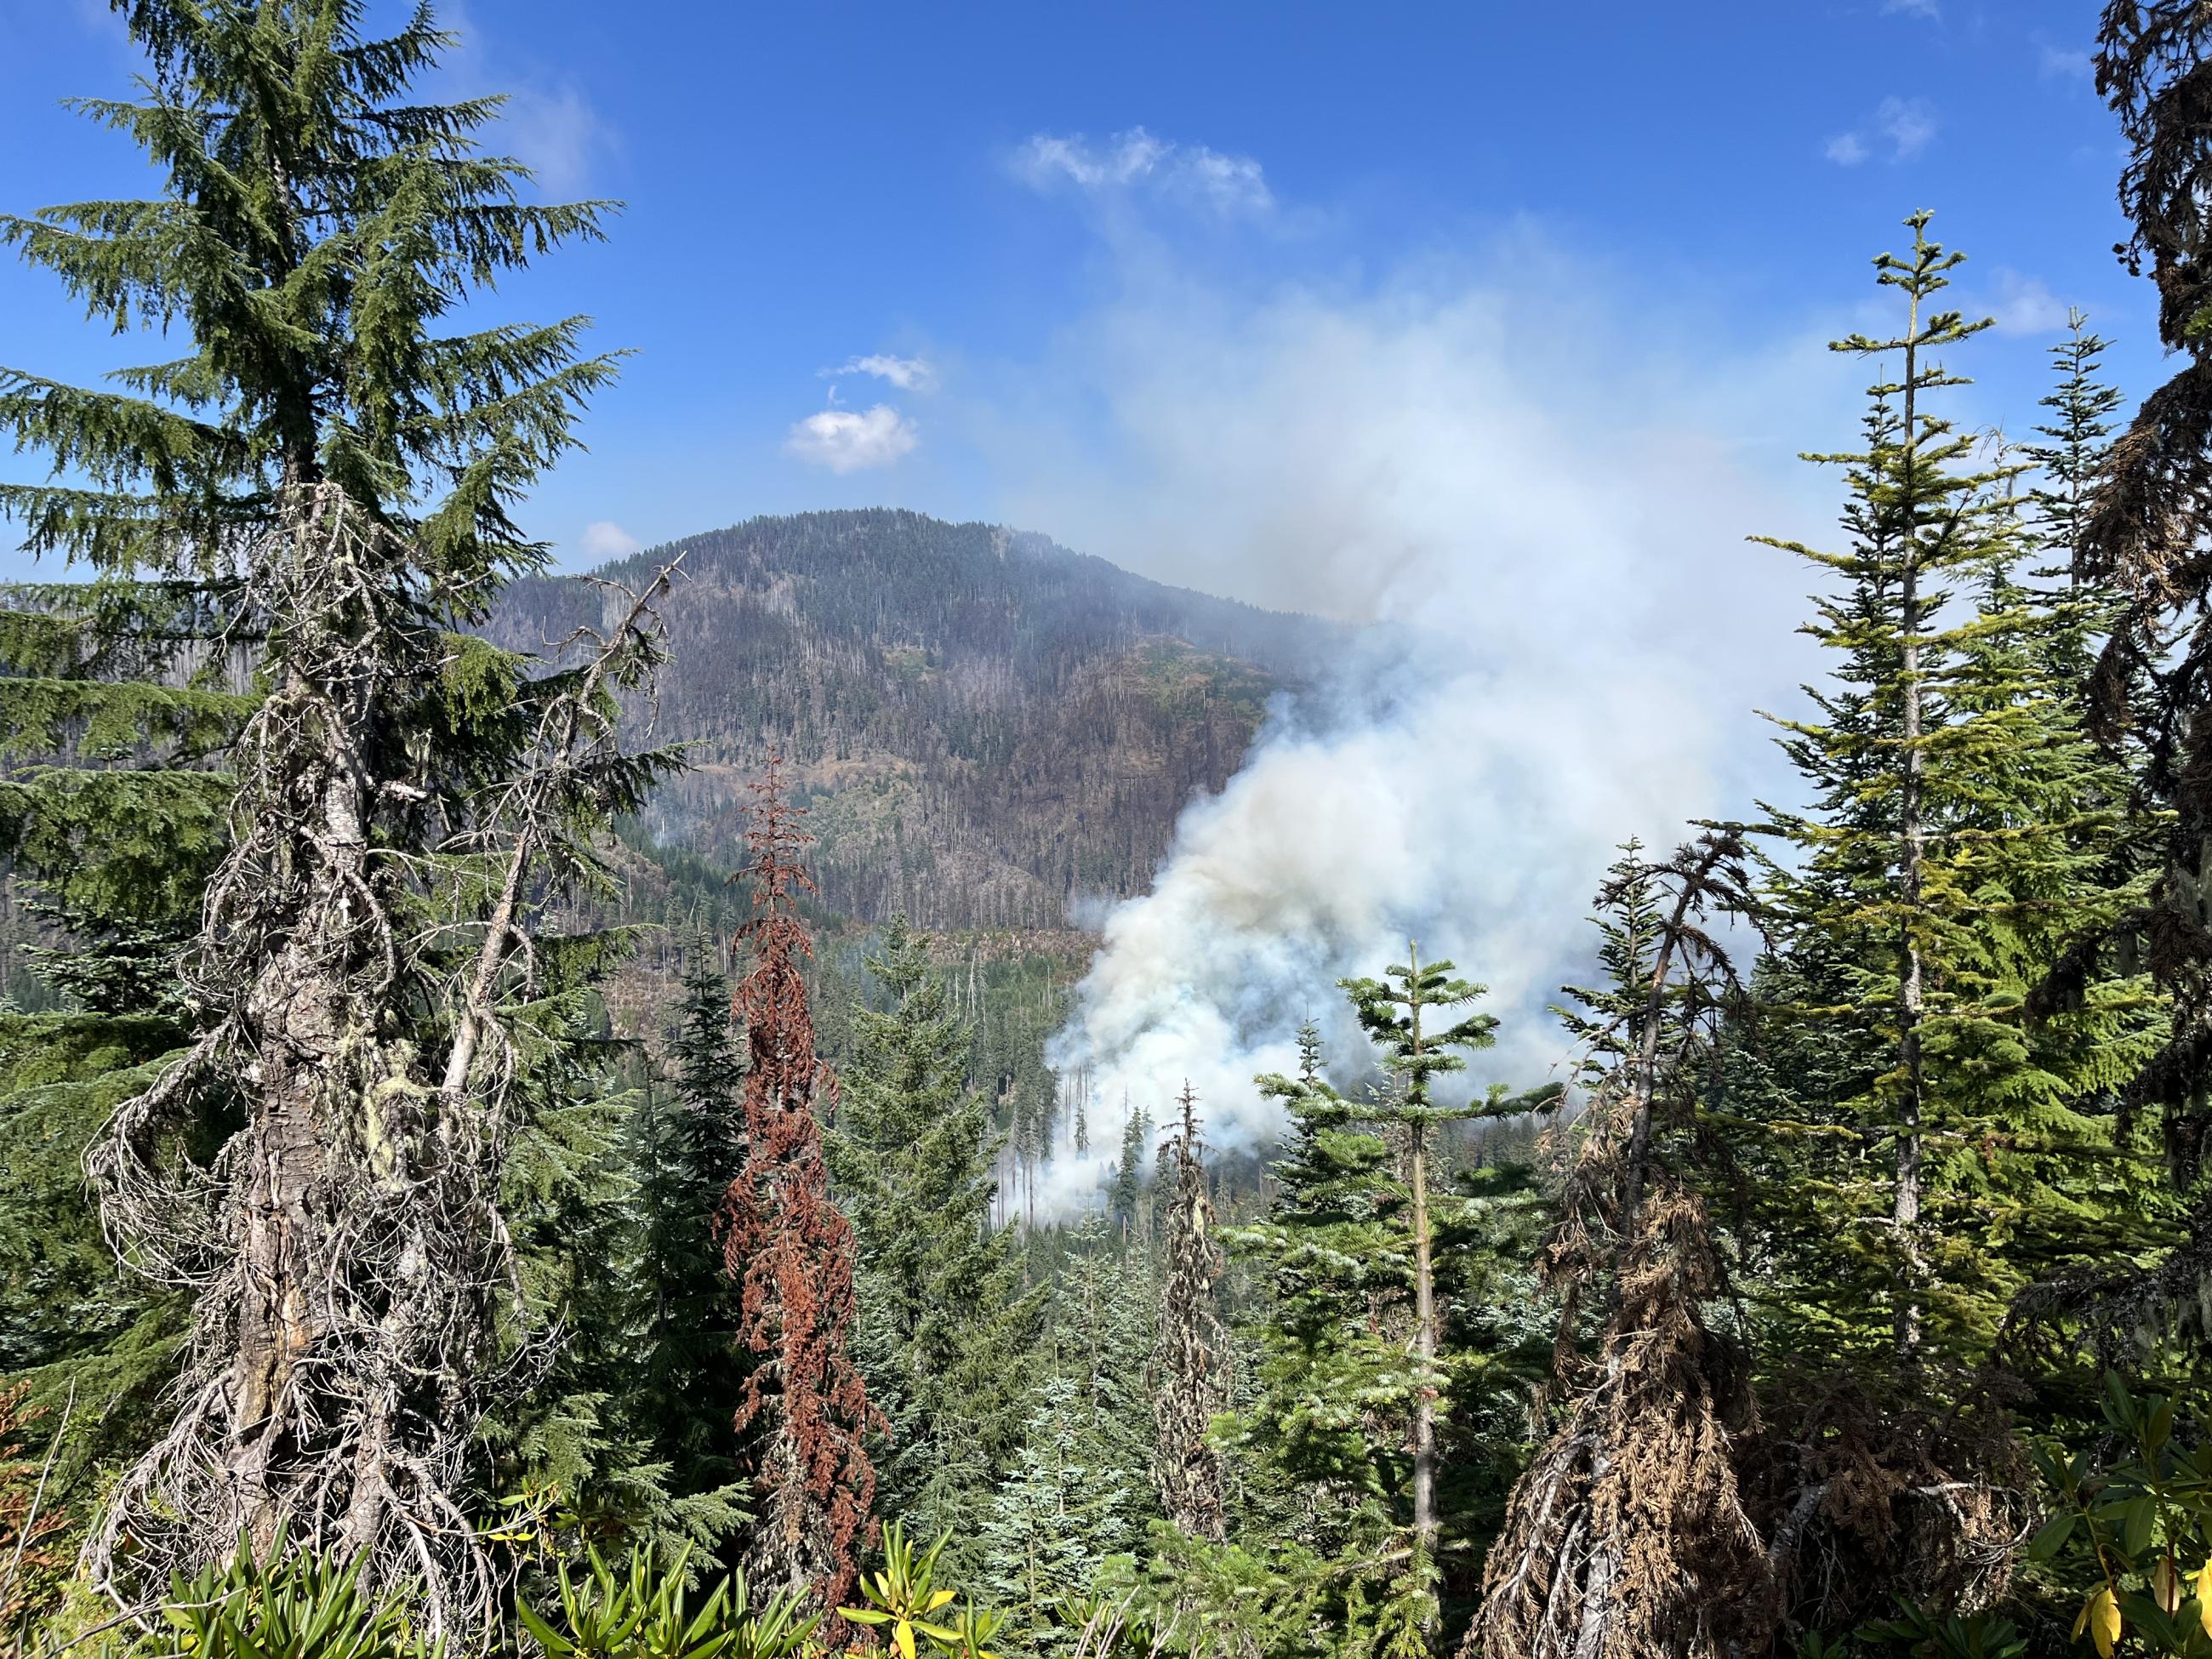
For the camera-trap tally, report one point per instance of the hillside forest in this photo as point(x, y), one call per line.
point(522, 1096)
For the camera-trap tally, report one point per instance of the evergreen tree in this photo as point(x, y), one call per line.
point(342, 473)
point(2077, 438)
point(2144, 536)
point(1365, 1247)
point(1064, 1509)
point(947, 1329)
point(1187, 1352)
point(1961, 831)
point(686, 1140)
point(1125, 1194)
point(1608, 1021)
point(790, 1249)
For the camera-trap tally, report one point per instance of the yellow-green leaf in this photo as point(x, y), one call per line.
point(938, 1601)
point(902, 1634)
point(2100, 1617)
point(2204, 1596)
point(2166, 1586)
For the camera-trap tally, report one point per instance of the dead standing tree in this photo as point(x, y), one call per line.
point(792, 1250)
point(1188, 1390)
point(1627, 1537)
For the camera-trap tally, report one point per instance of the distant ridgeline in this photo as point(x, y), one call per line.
point(981, 723)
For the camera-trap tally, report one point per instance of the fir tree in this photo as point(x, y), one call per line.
point(1364, 1246)
point(947, 1328)
point(1125, 1192)
point(1606, 1023)
point(1063, 1509)
point(1187, 1387)
point(687, 1139)
point(2077, 438)
point(804, 1406)
point(343, 473)
point(1961, 831)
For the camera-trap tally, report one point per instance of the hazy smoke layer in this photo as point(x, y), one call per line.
point(1545, 519)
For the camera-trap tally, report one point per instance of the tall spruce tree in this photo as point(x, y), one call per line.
point(947, 1330)
point(805, 1409)
point(1188, 1349)
point(344, 472)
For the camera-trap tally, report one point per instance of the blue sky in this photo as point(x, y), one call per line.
point(1464, 316)
point(1047, 207)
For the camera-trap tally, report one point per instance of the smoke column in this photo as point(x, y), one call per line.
point(1544, 530)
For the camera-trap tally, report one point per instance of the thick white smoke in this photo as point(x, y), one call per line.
point(1541, 498)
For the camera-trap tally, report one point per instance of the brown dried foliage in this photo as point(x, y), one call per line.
point(1867, 1494)
point(791, 1250)
point(1628, 1536)
point(32, 1556)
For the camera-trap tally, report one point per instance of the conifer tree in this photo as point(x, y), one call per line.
point(947, 1328)
point(1125, 1194)
point(343, 473)
point(2145, 536)
point(1187, 1387)
point(1607, 1021)
point(1627, 1533)
point(1064, 1508)
point(804, 1406)
point(1962, 830)
point(2077, 438)
point(688, 1138)
point(1359, 1283)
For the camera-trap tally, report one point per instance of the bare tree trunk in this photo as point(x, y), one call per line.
point(1424, 1356)
point(1906, 1211)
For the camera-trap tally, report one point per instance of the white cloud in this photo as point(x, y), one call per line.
point(2059, 63)
point(907, 373)
point(555, 133)
point(1907, 124)
point(547, 123)
point(1928, 8)
point(851, 441)
point(2023, 305)
point(605, 539)
point(1224, 183)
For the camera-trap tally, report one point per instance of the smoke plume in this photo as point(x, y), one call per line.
point(1537, 498)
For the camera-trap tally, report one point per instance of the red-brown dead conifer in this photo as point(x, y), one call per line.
point(790, 1249)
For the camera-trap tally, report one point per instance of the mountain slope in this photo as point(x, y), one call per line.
point(983, 725)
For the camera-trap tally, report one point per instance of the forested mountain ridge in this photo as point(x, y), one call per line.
point(982, 725)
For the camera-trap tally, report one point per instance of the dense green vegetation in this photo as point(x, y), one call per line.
point(447, 1202)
